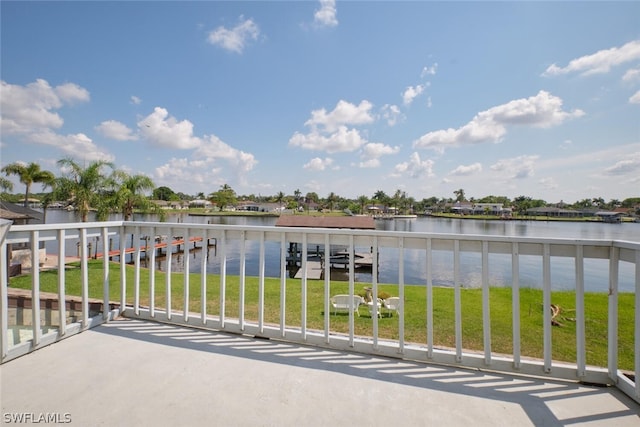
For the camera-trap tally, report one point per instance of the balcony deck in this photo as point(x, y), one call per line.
point(136, 372)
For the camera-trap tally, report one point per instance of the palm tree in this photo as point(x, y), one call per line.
point(382, 198)
point(363, 201)
point(28, 174)
point(88, 187)
point(459, 195)
point(280, 199)
point(129, 193)
point(5, 184)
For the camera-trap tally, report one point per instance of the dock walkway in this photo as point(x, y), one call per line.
point(146, 248)
point(314, 271)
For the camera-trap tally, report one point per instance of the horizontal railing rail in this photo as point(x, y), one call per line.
point(280, 311)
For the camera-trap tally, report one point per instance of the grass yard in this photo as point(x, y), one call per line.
point(531, 310)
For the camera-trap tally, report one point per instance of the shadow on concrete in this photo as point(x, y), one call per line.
point(545, 402)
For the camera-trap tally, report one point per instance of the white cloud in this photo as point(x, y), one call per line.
point(630, 165)
point(113, 129)
point(318, 164)
point(342, 140)
point(31, 108)
point(329, 131)
point(426, 71)
point(74, 145)
point(326, 15)
point(463, 170)
point(411, 93)
point(374, 150)
point(236, 38)
point(161, 129)
point(369, 164)
point(135, 100)
point(391, 113)
point(516, 168)
point(371, 153)
point(345, 113)
point(213, 148)
point(71, 93)
point(635, 98)
point(631, 75)
point(599, 62)
point(414, 168)
point(542, 110)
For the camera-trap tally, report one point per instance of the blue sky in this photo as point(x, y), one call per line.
point(497, 98)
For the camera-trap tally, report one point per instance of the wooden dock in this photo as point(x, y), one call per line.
point(156, 247)
point(314, 271)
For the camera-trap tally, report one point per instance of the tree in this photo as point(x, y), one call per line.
point(332, 199)
point(459, 195)
point(311, 197)
point(5, 184)
point(381, 197)
point(129, 193)
point(29, 174)
point(164, 193)
point(225, 196)
point(88, 187)
point(363, 201)
point(280, 198)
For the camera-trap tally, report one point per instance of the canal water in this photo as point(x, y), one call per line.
point(562, 269)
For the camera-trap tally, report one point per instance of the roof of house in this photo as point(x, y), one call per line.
point(352, 222)
point(13, 211)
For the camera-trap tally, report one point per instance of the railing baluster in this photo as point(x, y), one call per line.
point(223, 276)
point(283, 282)
point(261, 285)
point(303, 296)
point(152, 271)
point(515, 302)
point(123, 270)
point(457, 300)
point(612, 331)
point(185, 256)
point(546, 305)
point(327, 287)
point(35, 288)
point(204, 259)
point(136, 275)
point(374, 280)
point(401, 296)
point(580, 324)
point(351, 293)
point(84, 273)
point(168, 264)
point(4, 302)
point(374, 309)
point(105, 273)
point(62, 299)
point(486, 310)
point(242, 278)
point(429, 298)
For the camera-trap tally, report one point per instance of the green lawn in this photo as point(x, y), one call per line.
point(531, 314)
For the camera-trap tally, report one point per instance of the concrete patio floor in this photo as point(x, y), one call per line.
point(138, 373)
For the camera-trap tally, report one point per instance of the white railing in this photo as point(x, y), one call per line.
point(296, 328)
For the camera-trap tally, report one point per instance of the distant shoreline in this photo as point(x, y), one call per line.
point(436, 215)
